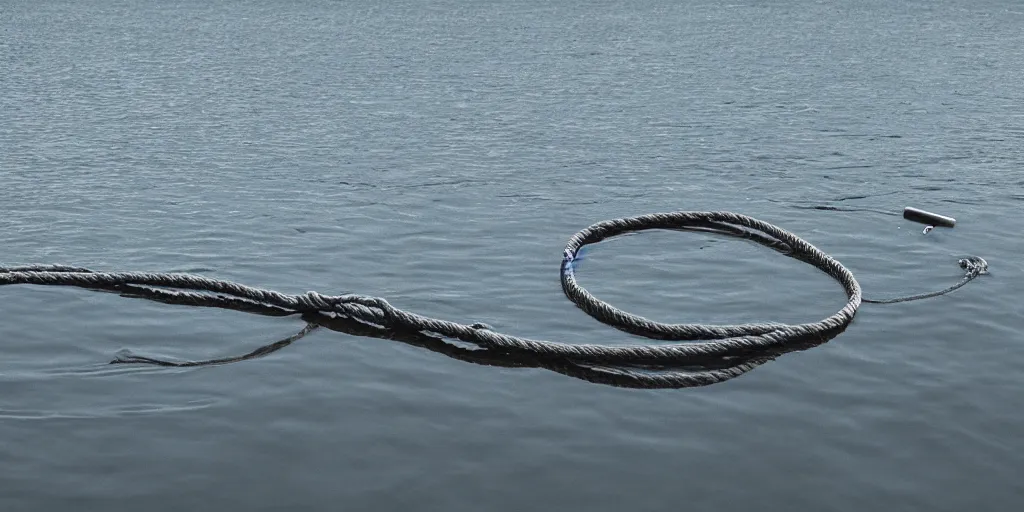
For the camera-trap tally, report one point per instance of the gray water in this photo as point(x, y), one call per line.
point(440, 154)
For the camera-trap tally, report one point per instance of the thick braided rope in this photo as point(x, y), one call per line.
point(637, 365)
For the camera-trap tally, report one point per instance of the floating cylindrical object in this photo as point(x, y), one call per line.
point(929, 218)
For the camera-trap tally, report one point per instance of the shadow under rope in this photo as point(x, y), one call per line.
point(483, 356)
point(439, 344)
point(732, 351)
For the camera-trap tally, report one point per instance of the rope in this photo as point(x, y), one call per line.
point(710, 354)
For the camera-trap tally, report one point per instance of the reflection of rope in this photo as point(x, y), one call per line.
point(713, 353)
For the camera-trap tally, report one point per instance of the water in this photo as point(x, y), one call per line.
point(440, 154)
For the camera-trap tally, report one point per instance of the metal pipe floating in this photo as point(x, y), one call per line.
point(928, 218)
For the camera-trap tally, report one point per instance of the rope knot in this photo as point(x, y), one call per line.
point(974, 265)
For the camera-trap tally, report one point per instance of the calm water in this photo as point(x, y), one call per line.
point(440, 154)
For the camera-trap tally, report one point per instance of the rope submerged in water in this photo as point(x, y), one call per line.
point(710, 354)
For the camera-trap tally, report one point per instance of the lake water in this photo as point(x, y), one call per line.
point(440, 154)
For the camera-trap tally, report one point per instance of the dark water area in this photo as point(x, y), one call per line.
point(440, 154)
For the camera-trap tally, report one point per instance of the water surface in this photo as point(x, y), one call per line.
point(439, 154)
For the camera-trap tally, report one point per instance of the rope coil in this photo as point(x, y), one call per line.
point(710, 354)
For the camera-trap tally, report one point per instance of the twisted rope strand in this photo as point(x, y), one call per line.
point(710, 354)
